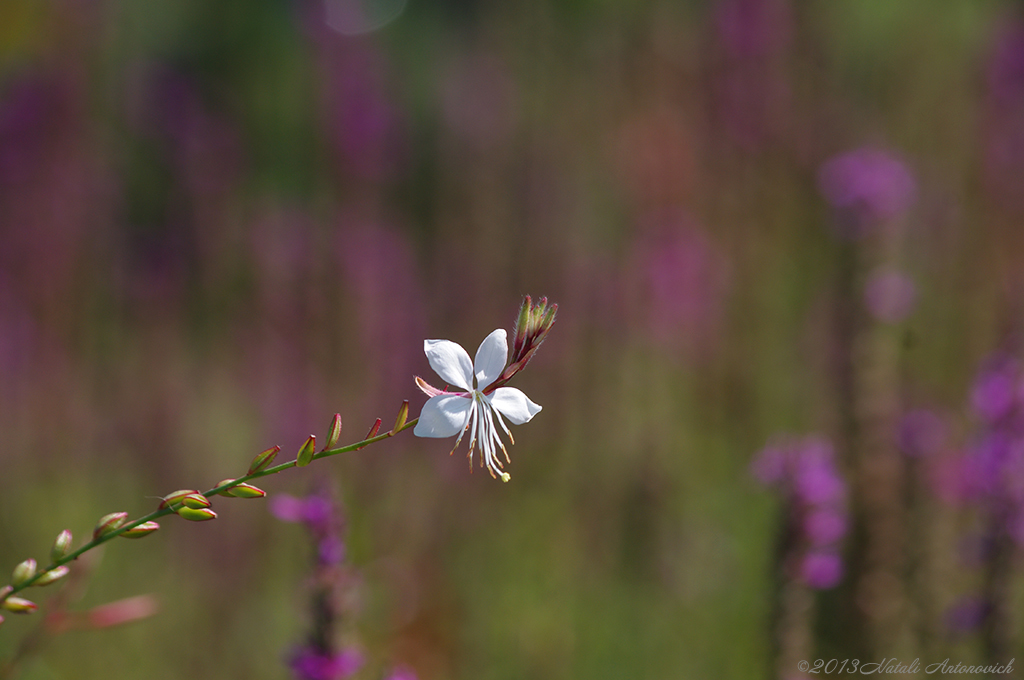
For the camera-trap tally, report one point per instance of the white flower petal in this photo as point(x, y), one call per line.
point(443, 416)
point(514, 405)
point(490, 358)
point(450, 361)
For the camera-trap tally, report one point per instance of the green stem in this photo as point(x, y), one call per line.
point(99, 540)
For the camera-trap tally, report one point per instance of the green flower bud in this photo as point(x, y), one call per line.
point(19, 605)
point(51, 576)
point(334, 433)
point(109, 523)
point(61, 546)
point(224, 492)
point(173, 500)
point(263, 460)
point(244, 490)
point(305, 455)
point(195, 501)
point(403, 415)
point(23, 572)
point(374, 429)
point(144, 529)
point(196, 514)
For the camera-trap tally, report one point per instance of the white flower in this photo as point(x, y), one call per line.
point(476, 408)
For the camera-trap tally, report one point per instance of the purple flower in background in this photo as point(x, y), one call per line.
point(753, 28)
point(866, 186)
point(309, 663)
point(815, 492)
point(994, 392)
point(966, 615)
point(821, 570)
point(321, 517)
point(889, 295)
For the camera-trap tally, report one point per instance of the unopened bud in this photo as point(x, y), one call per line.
point(195, 501)
point(244, 490)
point(51, 576)
point(374, 429)
point(305, 455)
point(334, 432)
point(173, 500)
point(19, 605)
point(196, 514)
point(403, 415)
point(141, 530)
point(109, 523)
point(224, 492)
point(61, 546)
point(23, 572)
point(263, 460)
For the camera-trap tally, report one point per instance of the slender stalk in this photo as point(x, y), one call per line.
point(99, 540)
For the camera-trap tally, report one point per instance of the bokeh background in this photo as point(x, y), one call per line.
point(780, 399)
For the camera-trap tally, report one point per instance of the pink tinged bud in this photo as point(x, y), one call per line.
point(374, 429)
point(61, 546)
point(19, 605)
point(334, 432)
point(173, 500)
point(23, 572)
point(5, 591)
point(263, 460)
point(195, 501)
point(109, 523)
point(305, 455)
point(51, 576)
point(196, 514)
point(403, 415)
point(244, 490)
point(1, 619)
point(144, 529)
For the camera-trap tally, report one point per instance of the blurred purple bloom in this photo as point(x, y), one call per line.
point(309, 663)
point(994, 391)
point(805, 471)
point(921, 433)
point(821, 570)
point(870, 185)
point(889, 295)
point(322, 518)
